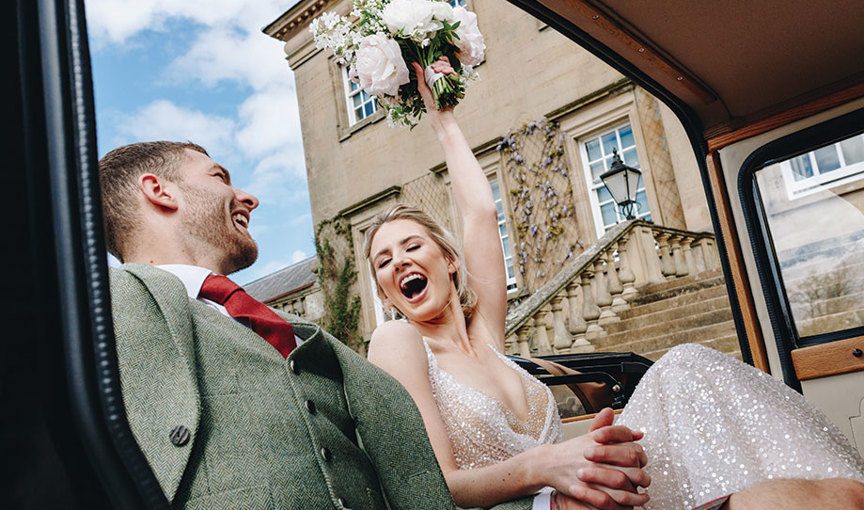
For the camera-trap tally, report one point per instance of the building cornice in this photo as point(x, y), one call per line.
point(368, 201)
point(613, 89)
point(294, 19)
point(478, 151)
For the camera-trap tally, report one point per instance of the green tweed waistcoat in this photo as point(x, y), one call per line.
point(320, 429)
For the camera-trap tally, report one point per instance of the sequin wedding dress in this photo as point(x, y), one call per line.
point(712, 424)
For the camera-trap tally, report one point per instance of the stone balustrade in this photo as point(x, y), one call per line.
point(570, 311)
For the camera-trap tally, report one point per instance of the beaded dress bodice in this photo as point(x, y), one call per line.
point(482, 430)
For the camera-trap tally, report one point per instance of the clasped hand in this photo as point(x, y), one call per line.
point(601, 469)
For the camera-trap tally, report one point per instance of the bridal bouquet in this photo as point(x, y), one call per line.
point(380, 36)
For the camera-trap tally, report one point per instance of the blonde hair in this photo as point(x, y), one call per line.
point(444, 240)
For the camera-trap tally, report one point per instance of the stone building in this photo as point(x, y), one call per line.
point(293, 289)
point(544, 120)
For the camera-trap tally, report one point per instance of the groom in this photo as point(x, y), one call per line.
point(235, 406)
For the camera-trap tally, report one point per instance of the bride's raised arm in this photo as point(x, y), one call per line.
point(484, 259)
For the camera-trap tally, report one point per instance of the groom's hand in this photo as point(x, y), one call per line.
point(602, 469)
point(617, 464)
point(616, 447)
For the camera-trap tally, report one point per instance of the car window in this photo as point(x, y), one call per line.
point(813, 205)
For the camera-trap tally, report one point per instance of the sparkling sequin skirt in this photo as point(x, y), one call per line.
point(714, 426)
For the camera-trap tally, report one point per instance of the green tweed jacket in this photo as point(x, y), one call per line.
point(323, 428)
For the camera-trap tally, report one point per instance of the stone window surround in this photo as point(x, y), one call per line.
point(492, 165)
point(360, 217)
point(349, 94)
point(592, 194)
point(343, 123)
point(590, 120)
point(848, 176)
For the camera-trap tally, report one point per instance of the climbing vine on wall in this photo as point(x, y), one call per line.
point(541, 198)
point(337, 278)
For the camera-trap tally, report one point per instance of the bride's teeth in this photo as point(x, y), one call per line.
point(408, 279)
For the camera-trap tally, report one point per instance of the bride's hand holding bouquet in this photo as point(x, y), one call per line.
point(380, 36)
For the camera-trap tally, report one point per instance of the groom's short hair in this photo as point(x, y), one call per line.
point(118, 175)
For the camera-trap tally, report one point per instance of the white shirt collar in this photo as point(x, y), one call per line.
point(192, 276)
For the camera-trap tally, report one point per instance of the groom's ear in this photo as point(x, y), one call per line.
point(157, 192)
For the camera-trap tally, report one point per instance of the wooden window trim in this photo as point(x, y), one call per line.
point(831, 358)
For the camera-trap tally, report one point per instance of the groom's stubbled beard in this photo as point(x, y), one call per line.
point(209, 220)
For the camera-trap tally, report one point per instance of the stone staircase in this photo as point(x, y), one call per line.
point(825, 285)
point(640, 288)
point(692, 309)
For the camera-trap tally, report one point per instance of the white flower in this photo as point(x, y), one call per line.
point(380, 66)
point(442, 11)
point(470, 42)
point(411, 18)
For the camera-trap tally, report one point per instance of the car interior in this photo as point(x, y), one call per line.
point(771, 96)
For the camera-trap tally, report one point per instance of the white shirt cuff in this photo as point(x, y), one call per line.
point(543, 501)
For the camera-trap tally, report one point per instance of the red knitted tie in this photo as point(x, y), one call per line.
point(262, 319)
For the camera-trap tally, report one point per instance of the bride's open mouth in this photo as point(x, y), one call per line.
point(413, 286)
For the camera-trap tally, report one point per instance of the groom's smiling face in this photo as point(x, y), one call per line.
point(216, 214)
point(412, 272)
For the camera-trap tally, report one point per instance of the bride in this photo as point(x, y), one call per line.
point(712, 425)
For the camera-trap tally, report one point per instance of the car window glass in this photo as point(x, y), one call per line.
point(814, 205)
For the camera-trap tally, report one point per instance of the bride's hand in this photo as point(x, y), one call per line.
point(437, 118)
point(602, 468)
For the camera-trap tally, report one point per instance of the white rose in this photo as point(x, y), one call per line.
point(414, 18)
point(442, 11)
point(470, 42)
point(380, 66)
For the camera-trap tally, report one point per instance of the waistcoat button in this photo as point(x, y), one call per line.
point(343, 502)
point(294, 367)
point(179, 435)
point(326, 454)
point(310, 406)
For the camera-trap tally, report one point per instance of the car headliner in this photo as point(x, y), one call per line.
point(733, 62)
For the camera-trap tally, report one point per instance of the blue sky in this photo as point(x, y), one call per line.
point(202, 70)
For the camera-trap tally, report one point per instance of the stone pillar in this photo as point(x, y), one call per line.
point(524, 334)
point(666, 263)
point(647, 267)
point(576, 324)
point(560, 336)
point(687, 252)
point(677, 256)
point(626, 274)
point(541, 335)
point(604, 298)
point(619, 304)
point(590, 310)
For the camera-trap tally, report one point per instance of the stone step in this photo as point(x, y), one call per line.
point(650, 295)
point(673, 325)
point(826, 248)
point(821, 307)
point(727, 345)
point(680, 282)
point(825, 286)
point(695, 296)
point(822, 265)
point(665, 340)
point(828, 323)
point(639, 317)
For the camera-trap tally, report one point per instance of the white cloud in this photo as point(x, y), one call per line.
point(269, 121)
point(164, 120)
point(297, 256)
point(115, 21)
point(241, 54)
point(280, 179)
